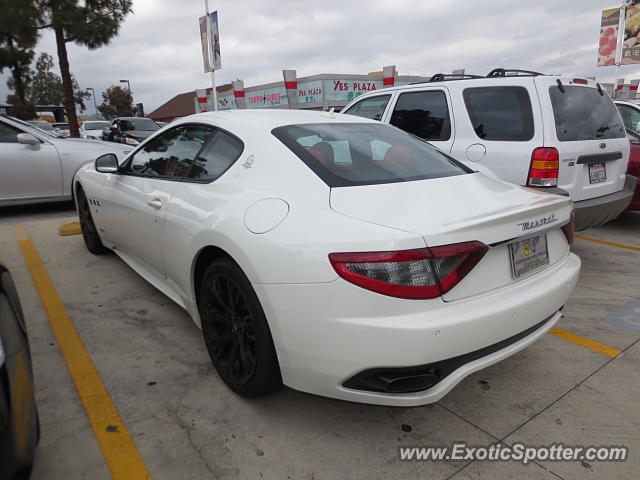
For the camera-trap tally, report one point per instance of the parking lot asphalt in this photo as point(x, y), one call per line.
point(186, 424)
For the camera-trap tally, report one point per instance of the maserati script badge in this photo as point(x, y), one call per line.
point(538, 222)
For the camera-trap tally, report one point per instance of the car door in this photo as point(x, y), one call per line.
point(186, 218)
point(28, 171)
point(136, 200)
point(426, 114)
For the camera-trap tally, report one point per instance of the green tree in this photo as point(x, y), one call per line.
point(46, 86)
point(18, 36)
point(91, 23)
point(116, 102)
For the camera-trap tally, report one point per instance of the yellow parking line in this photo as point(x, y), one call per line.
point(595, 240)
point(120, 453)
point(585, 342)
point(71, 228)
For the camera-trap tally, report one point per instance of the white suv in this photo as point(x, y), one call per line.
point(561, 134)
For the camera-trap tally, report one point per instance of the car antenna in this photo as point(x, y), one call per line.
point(332, 112)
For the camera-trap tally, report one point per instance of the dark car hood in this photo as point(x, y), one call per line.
point(139, 134)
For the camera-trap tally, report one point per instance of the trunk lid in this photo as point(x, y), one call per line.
point(460, 209)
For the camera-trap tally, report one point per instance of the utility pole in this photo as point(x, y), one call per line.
point(95, 105)
point(130, 95)
point(214, 93)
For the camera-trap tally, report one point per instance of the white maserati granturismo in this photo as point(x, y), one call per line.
point(331, 253)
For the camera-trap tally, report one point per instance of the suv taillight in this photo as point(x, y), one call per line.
point(545, 164)
point(569, 228)
point(419, 274)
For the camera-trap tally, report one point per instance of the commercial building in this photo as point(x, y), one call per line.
point(315, 92)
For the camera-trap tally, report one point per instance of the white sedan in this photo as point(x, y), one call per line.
point(38, 166)
point(92, 129)
point(331, 253)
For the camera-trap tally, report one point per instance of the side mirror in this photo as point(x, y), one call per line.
point(28, 139)
point(107, 163)
point(638, 127)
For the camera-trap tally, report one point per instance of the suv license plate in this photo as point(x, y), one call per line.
point(597, 173)
point(528, 254)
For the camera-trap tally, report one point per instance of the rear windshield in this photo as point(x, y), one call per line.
point(347, 154)
point(582, 113)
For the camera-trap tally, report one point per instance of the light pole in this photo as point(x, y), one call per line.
point(95, 105)
point(130, 95)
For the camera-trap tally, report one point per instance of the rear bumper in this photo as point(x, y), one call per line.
point(598, 211)
point(326, 334)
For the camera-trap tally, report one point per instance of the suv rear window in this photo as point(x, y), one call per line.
point(347, 154)
point(581, 113)
point(500, 113)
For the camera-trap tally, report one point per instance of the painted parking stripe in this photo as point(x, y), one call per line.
point(120, 453)
point(586, 342)
point(71, 228)
point(611, 244)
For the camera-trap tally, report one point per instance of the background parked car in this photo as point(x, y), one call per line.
point(92, 130)
point(630, 113)
point(129, 130)
point(62, 129)
point(19, 425)
point(42, 125)
point(634, 167)
point(39, 167)
point(563, 135)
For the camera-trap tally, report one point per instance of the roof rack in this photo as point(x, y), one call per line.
point(444, 77)
point(502, 72)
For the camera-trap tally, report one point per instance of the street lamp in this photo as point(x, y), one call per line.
point(93, 92)
point(130, 95)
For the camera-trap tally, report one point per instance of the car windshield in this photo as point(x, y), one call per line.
point(347, 154)
point(95, 125)
point(583, 113)
point(138, 124)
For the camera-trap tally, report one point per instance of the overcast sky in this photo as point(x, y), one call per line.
point(158, 49)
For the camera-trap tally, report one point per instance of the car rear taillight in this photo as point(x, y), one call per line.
point(419, 274)
point(569, 228)
point(545, 164)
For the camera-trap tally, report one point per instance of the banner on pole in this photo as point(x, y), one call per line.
point(210, 44)
point(608, 37)
point(631, 44)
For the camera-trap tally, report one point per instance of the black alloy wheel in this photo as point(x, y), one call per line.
point(236, 332)
point(89, 231)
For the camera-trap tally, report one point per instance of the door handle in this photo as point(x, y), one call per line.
point(156, 203)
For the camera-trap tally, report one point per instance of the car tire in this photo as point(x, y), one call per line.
point(236, 331)
point(89, 231)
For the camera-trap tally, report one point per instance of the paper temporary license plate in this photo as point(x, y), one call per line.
point(528, 254)
point(597, 173)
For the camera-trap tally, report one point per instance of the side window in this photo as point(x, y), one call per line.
point(8, 134)
point(630, 116)
point(372, 108)
point(171, 154)
point(424, 114)
point(500, 113)
point(215, 158)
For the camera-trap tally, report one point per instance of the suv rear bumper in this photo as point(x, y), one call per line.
point(598, 211)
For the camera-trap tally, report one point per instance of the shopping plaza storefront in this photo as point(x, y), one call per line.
point(312, 92)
